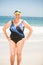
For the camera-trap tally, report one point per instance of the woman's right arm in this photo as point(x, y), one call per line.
point(5, 28)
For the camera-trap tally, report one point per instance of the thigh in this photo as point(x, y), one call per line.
point(12, 47)
point(20, 45)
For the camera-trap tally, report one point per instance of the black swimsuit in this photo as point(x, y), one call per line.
point(16, 32)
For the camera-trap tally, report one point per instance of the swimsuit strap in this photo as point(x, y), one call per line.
point(23, 26)
point(20, 22)
point(11, 21)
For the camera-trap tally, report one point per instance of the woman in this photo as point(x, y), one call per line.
point(17, 37)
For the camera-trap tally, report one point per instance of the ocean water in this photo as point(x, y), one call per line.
point(33, 21)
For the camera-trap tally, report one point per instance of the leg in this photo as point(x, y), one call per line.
point(19, 51)
point(12, 52)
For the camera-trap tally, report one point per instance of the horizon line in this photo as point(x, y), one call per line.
point(21, 16)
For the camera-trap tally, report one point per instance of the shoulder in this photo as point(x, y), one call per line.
point(22, 20)
point(26, 24)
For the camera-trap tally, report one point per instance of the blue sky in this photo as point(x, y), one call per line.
point(27, 7)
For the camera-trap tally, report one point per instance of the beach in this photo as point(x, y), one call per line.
point(30, 11)
point(32, 53)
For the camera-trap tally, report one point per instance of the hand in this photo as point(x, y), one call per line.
point(24, 39)
point(8, 38)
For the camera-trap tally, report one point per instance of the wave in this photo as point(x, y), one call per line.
point(36, 35)
point(36, 29)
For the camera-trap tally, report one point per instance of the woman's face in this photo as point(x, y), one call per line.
point(17, 16)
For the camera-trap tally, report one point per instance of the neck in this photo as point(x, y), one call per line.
point(17, 20)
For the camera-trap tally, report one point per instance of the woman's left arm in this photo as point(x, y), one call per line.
point(26, 25)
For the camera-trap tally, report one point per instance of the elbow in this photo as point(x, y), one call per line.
point(3, 29)
point(31, 30)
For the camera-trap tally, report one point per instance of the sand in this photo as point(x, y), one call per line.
point(32, 53)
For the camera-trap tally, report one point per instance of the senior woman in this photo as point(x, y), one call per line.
point(17, 36)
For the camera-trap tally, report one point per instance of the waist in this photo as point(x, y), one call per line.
point(16, 34)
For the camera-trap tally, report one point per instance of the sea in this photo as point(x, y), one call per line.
point(33, 21)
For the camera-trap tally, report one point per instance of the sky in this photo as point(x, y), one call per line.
point(32, 8)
